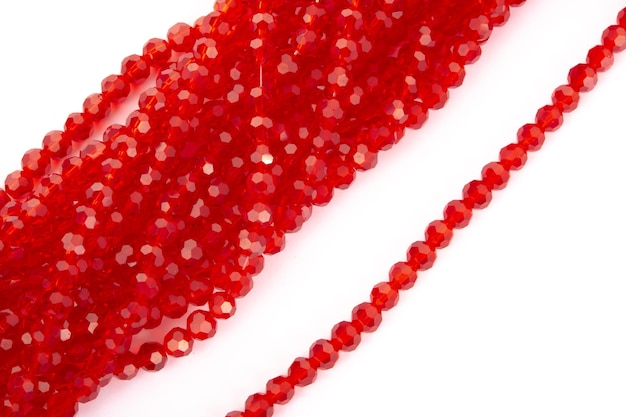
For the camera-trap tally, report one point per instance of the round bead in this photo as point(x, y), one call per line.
point(17, 184)
point(157, 52)
point(513, 156)
point(614, 38)
point(201, 325)
point(280, 390)
point(582, 77)
point(477, 194)
point(258, 405)
point(438, 234)
point(323, 354)
point(152, 356)
point(402, 276)
point(457, 215)
point(115, 88)
point(301, 372)
point(600, 58)
point(180, 37)
point(178, 342)
point(384, 296)
point(222, 305)
point(135, 68)
point(565, 98)
point(495, 176)
point(366, 317)
point(345, 336)
point(549, 118)
point(96, 107)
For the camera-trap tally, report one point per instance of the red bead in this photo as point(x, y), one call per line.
point(323, 354)
point(78, 126)
point(258, 405)
point(438, 234)
point(178, 342)
point(180, 37)
point(582, 77)
point(302, 373)
point(157, 52)
point(614, 38)
point(384, 296)
point(621, 18)
point(600, 58)
point(35, 162)
point(366, 317)
point(495, 176)
point(345, 336)
point(96, 107)
point(565, 98)
point(135, 68)
point(222, 305)
point(402, 276)
point(549, 118)
point(152, 356)
point(17, 184)
point(513, 156)
point(456, 215)
point(115, 88)
point(201, 325)
point(280, 390)
point(477, 194)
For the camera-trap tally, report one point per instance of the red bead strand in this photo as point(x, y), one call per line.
point(457, 214)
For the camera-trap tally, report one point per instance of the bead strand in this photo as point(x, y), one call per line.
point(421, 255)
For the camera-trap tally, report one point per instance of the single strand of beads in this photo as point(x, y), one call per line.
point(367, 316)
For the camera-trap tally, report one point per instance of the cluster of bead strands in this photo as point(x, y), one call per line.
point(255, 114)
point(366, 317)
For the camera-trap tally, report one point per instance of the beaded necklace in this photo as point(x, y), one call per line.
point(305, 390)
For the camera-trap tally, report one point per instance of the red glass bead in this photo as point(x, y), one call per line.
point(135, 68)
point(35, 162)
point(201, 325)
point(513, 156)
point(222, 305)
point(565, 98)
point(495, 176)
point(152, 356)
point(345, 336)
point(438, 234)
point(178, 342)
point(180, 37)
point(402, 276)
point(115, 88)
point(549, 118)
point(582, 77)
point(457, 215)
point(258, 405)
point(280, 390)
point(78, 126)
point(157, 52)
point(56, 142)
point(323, 354)
point(96, 107)
point(477, 194)
point(621, 18)
point(366, 317)
point(17, 184)
point(614, 38)
point(302, 373)
point(384, 296)
point(600, 58)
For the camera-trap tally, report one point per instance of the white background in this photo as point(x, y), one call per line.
point(523, 314)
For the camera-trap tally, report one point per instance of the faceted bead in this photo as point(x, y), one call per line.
point(582, 78)
point(565, 98)
point(181, 37)
point(17, 184)
point(302, 373)
point(457, 215)
point(600, 58)
point(477, 194)
point(201, 325)
point(280, 390)
point(323, 354)
point(258, 405)
point(222, 305)
point(178, 342)
point(438, 234)
point(614, 38)
point(96, 107)
point(200, 290)
point(402, 276)
point(115, 88)
point(345, 336)
point(78, 126)
point(366, 317)
point(513, 156)
point(468, 52)
point(621, 18)
point(481, 27)
point(152, 356)
point(384, 296)
point(549, 118)
point(157, 52)
point(56, 142)
point(495, 176)
point(135, 68)
point(34, 162)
